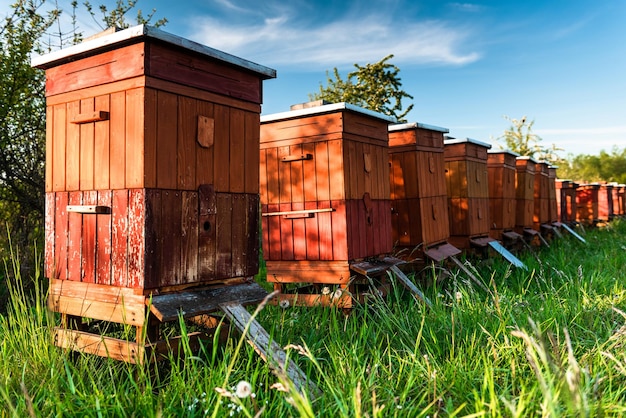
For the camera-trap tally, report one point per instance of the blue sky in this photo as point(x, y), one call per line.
point(467, 64)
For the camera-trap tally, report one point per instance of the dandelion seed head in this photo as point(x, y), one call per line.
point(338, 293)
point(325, 290)
point(284, 303)
point(243, 390)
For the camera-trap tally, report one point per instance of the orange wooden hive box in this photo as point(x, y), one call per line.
point(418, 190)
point(553, 213)
point(525, 194)
point(324, 193)
point(621, 194)
point(502, 194)
point(615, 191)
point(605, 202)
point(541, 213)
point(587, 203)
point(152, 184)
point(468, 192)
point(566, 200)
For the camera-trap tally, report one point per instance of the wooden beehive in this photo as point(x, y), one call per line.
point(587, 203)
point(541, 214)
point(501, 167)
point(525, 195)
point(152, 181)
point(621, 194)
point(419, 201)
point(324, 192)
point(553, 213)
point(605, 202)
point(468, 192)
point(615, 197)
point(566, 200)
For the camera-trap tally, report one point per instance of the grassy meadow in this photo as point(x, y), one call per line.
point(544, 342)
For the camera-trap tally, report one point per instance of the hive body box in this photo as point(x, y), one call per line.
point(468, 191)
point(605, 202)
point(621, 194)
point(553, 213)
point(502, 194)
point(587, 203)
point(525, 194)
point(541, 214)
point(418, 190)
point(324, 192)
point(566, 200)
point(151, 169)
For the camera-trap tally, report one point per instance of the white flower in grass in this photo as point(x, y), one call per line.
point(243, 389)
point(284, 303)
point(338, 293)
point(459, 296)
point(325, 290)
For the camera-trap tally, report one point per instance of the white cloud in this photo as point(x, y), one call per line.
point(281, 41)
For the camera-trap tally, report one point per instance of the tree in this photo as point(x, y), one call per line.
point(609, 167)
point(520, 138)
point(374, 86)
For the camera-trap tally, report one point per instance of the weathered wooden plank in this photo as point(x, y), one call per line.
point(49, 148)
point(207, 235)
point(117, 125)
point(239, 234)
point(103, 239)
point(268, 349)
point(404, 281)
point(88, 256)
point(136, 238)
point(286, 234)
point(187, 144)
point(87, 147)
point(197, 302)
point(224, 255)
point(74, 234)
point(323, 271)
point(322, 171)
point(251, 152)
point(119, 238)
point(49, 228)
point(189, 236)
point(221, 149)
point(253, 234)
point(205, 155)
point(167, 143)
point(325, 231)
point(236, 162)
point(100, 345)
point(72, 149)
point(300, 242)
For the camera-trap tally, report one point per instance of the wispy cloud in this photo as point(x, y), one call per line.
point(605, 130)
point(467, 7)
point(283, 40)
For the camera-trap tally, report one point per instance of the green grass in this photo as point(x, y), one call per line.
point(547, 342)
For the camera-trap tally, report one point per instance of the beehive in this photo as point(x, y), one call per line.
point(325, 193)
point(566, 200)
point(605, 202)
point(525, 196)
point(615, 191)
point(541, 213)
point(152, 153)
point(502, 194)
point(553, 213)
point(621, 194)
point(419, 202)
point(468, 192)
point(587, 203)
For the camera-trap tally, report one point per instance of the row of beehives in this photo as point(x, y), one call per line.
point(341, 184)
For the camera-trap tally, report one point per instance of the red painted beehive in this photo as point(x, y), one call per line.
point(152, 153)
point(553, 213)
point(525, 194)
point(324, 192)
point(566, 200)
point(418, 190)
point(587, 203)
point(541, 214)
point(615, 196)
point(502, 194)
point(605, 202)
point(468, 192)
point(621, 194)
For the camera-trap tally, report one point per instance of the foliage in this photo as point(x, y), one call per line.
point(116, 18)
point(373, 86)
point(520, 138)
point(609, 167)
point(543, 342)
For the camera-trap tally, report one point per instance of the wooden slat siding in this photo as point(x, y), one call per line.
point(336, 171)
point(86, 153)
point(496, 212)
point(286, 233)
point(251, 156)
point(311, 227)
point(370, 227)
point(253, 238)
point(187, 145)
point(224, 254)
point(135, 136)
point(364, 125)
point(239, 235)
point(103, 239)
point(170, 63)
point(398, 177)
point(383, 164)
point(370, 178)
point(352, 172)
point(72, 150)
point(189, 236)
point(263, 191)
point(205, 160)
point(49, 148)
point(118, 64)
point(322, 171)
point(207, 236)
point(107, 303)
point(221, 149)
point(236, 163)
point(316, 127)
point(88, 256)
point(310, 174)
point(74, 232)
point(296, 175)
point(49, 222)
point(117, 122)
point(136, 238)
point(273, 247)
point(166, 140)
point(101, 145)
point(284, 176)
point(170, 242)
point(150, 135)
point(325, 231)
point(402, 221)
point(300, 242)
point(339, 227)
point(61, 236)
point(272, 174)
point(323, 272)
point(119, 238)
point(439, 226)
point(412, 174)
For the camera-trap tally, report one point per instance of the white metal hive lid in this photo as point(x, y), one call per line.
point(414, 125)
